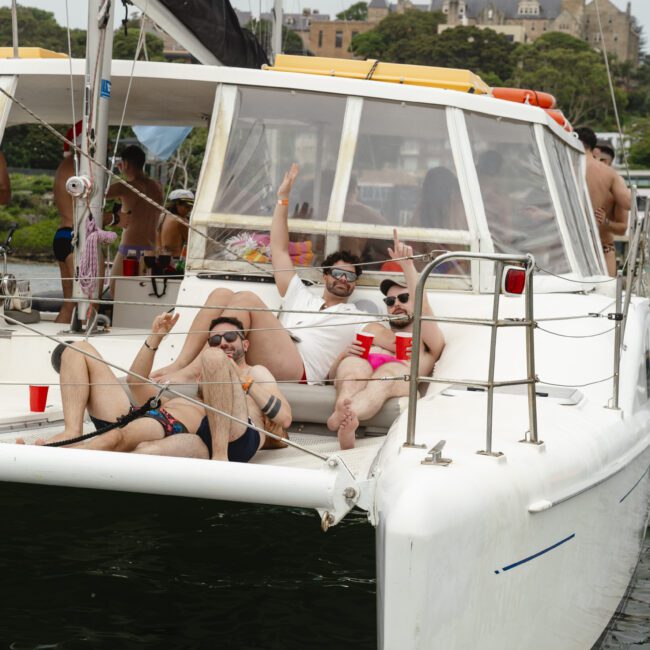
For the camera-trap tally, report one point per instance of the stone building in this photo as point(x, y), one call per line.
point(523, 21)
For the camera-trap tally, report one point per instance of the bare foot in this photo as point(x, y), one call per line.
point(340, 411)
point(347, 430)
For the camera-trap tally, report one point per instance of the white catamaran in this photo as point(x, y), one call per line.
point(510, 501)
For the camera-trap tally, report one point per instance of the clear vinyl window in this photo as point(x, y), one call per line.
point(516, 196)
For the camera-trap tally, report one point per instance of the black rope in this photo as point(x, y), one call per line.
point(121, 422)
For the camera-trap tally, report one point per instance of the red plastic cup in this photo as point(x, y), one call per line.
point(364, 339)
point(403, 341)
point(130, 266)
point(37, 398)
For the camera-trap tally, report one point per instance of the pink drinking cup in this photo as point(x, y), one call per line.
point(403, 342)
point(364, 339)
point(37, 398)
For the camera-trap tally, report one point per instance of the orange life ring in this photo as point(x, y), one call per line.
point(560, 118)
point(522, 96)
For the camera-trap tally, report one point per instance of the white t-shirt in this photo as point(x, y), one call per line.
point(318, 346)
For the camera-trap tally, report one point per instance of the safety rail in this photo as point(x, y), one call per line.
point(527, 262)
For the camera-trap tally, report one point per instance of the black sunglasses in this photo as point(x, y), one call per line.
point(402, 297)
point(215, 340)
point(339, 274)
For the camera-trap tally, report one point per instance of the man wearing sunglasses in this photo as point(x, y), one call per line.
point(177, 427)
point(304, 342)
point(360, 400)
point(234, 388)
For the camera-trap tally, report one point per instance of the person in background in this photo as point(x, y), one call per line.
point(172, 233)
point(610, 198)
point(5, 184)
point(360, 400)
point(64, 202)
point(605, 153)
point(137, 218)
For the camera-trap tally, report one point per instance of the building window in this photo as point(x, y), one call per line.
point(338, 39)
point(320, 38)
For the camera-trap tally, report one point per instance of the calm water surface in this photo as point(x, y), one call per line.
point(88, 569)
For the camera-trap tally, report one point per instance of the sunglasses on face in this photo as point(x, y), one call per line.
point(339, 274)
point(402, 297)
point(230, 337)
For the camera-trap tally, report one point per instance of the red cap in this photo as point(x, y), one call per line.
point(75, 136)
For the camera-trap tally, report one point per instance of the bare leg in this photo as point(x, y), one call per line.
point(610, 262)
point(270, 343)
point(368, 402)
point(67, 270)
point(88, 383)
point(351, 369)
point(225, 395)
point(187, 445)
point(197, 336)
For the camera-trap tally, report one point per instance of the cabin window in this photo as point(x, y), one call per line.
point(516, 197)
point(579, 231)
point(271, 130)
point(403, 174)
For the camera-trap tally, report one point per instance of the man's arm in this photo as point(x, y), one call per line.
point(280, 258)
point(431, 334)
point(622, 194)
point(143, 361)
point(5, 184)
point(266, 394)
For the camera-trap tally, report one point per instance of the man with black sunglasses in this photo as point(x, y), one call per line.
point(360, 400)
point(303, 342)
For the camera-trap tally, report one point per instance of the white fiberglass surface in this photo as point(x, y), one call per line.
point(579, 230)
point(516, 196)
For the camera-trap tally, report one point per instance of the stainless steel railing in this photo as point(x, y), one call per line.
point(525, 261)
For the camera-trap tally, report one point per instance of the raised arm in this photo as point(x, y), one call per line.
point(143, 361)
point(280, 258)
point(431, 334)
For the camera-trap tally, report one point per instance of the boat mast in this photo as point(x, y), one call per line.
point(14, 28)
point(276, 34)
point(96, 97)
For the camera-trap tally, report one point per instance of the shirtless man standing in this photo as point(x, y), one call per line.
point(360, 400)
point(137, 218)
point(62, 242)
point(610, 198)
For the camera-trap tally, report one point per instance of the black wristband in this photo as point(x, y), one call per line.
point(146, 345)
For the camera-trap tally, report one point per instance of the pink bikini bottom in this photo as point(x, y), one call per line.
point(376, 359)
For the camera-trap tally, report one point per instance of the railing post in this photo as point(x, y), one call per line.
point(498, 277)
point(530, 360)
point(415, 356)
point(617, 339)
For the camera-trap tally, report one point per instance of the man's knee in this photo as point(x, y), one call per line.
point(247, 299)
point(220, 297)
point(353, 365)
point(76, 348)
point(211, 360)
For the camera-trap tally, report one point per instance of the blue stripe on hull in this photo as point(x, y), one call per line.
point(532, 557)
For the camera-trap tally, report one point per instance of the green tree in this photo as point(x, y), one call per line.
point(389, 40)
point(639, 132)
point(574, 73)
point(358, 11)
point(124, 45)
point(38, 28)
point(32, 146)
point(482, 51)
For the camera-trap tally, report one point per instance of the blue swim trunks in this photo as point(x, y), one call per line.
point(240, 450)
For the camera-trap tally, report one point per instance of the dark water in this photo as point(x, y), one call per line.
point(89, 569)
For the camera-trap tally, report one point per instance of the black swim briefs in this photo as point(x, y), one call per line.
point(168, 422)
point(62, 244)
point(240, 450)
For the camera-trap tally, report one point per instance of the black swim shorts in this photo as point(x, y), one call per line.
point(240, 450)
point(62, 244)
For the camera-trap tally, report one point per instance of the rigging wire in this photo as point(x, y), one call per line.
point(74, 118)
